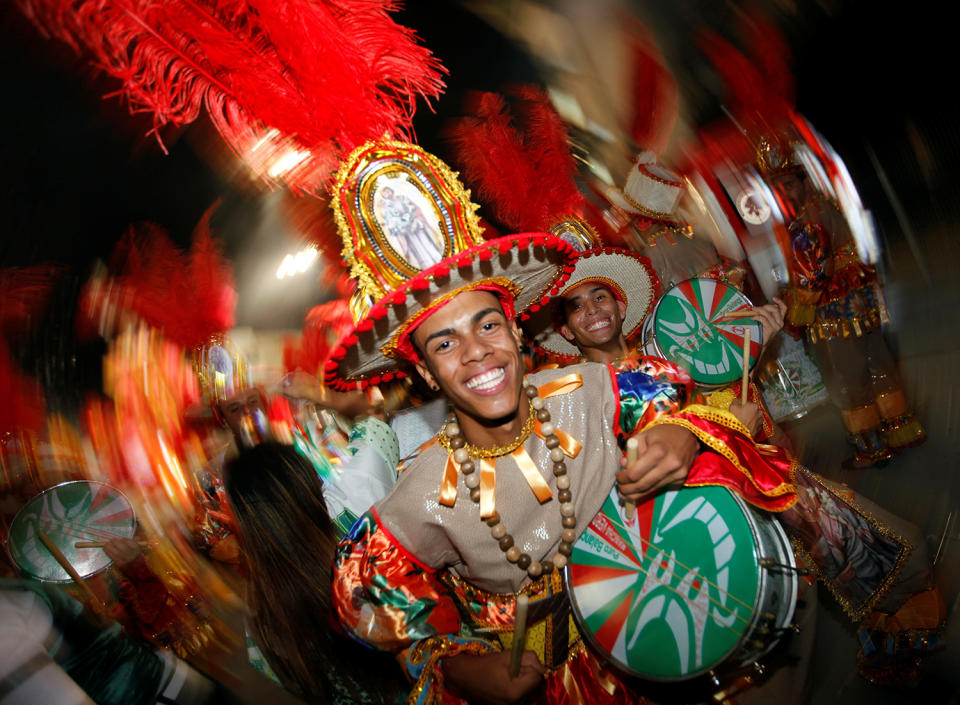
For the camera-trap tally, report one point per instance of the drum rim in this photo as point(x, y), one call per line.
point(587, 636)
point(16, 516)
point(783, 540)
point(653, 331)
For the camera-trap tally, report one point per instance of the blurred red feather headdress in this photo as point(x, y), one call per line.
point(291, 85)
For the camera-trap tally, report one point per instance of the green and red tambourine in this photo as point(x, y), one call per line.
point(69, 513)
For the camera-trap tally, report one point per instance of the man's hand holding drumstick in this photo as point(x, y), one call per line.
point(664, 456)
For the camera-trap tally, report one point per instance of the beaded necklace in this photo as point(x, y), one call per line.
point(466, 455)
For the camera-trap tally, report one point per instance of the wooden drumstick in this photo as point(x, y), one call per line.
point(65, 564)
point(101, 544)
point(630, 508)
point(745, 382)
point(733, 315)
point(519, 635)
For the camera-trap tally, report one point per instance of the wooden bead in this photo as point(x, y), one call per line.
point(547, 428)
point(506, 542)
point(467, 467)
point(460, 455)
point(565, 548)
point(560, 468)
point(569, 522)
point(564, 496)
point(513, 554)
point(551, 442)
point(568, 536)
point(543, 416)
point(563, 482)
point(531, 392)
point(547, 565)
point(567, 509)
point(537, 403)
point(535, 569)
point(493, 519)
point(475, 494)
point(524, 562)
point(559, 561)
point(457, 442)
point(498, 531)
point(451, 418)
point(472, 480)
point(556, 455)
point(453, 430)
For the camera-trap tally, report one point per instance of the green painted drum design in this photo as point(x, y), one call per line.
point(68, 513)
point(682, 587)
point(686, 327)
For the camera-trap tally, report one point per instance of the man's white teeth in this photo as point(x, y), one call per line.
point(486, 380)
point(598, 325)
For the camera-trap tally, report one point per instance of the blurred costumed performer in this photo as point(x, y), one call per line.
point(834, 297)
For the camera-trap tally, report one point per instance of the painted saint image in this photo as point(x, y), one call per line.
point(409, 231)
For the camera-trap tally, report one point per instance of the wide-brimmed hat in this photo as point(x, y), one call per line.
point(651, 190)
point(412, 239)
point(627, 274)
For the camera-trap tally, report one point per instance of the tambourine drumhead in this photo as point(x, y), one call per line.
point(679, 590)
point(68, 513)
point(685, 328)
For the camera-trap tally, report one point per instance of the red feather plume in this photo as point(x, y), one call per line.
point(291, 85)
point(754, 92)
point(655, 95)
point(24, 294)
point(519, 164)
point(189, 296)
point(323, 326)
point(23, 406)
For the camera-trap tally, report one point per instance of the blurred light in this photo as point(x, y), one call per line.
point(287, 162)
point(298, 263)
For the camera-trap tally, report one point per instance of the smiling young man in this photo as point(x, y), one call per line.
point(490, 508)
point(599, 314)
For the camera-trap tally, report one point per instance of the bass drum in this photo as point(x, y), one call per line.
point(68, 513)
point(688, 326)
point(697, 579)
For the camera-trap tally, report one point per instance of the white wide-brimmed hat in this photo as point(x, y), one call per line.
point(628, 275)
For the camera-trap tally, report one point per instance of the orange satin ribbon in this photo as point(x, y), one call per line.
point(532, 474)
point(448, 488)
point(568, 444)
point(488, 481)
point(560, 385)
point(488, 485)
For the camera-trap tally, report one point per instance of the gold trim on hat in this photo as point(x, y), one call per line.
point(435, 212)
